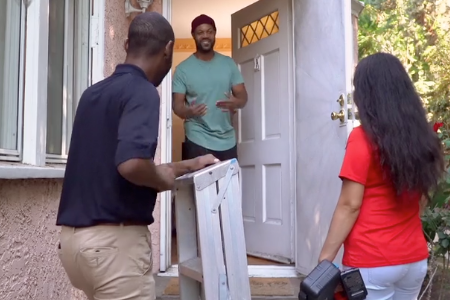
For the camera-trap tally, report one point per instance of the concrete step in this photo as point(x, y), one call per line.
point(253, 298)
point(163, 282)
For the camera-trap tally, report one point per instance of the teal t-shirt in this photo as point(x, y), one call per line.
point(208, 81)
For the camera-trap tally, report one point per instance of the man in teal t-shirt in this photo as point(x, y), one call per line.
point(207, 89)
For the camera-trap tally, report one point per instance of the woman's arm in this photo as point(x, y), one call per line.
point(344, 217)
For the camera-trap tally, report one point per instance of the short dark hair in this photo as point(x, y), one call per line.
point(148, 34)
point(393, 117)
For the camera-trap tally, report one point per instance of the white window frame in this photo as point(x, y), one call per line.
point(68, 78)
point(16, 155)
point(72, 80)
point(32, 163)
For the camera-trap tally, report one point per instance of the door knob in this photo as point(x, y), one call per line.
point(338, 115)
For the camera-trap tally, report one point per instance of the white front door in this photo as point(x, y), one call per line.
point(262, 47)
point(324, 66)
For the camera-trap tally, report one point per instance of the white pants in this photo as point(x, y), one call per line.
point(401, 282)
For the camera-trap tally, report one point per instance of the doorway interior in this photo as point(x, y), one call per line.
point(321, 74)
point(182, 13)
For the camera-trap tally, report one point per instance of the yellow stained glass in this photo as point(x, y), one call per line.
point(260, 29)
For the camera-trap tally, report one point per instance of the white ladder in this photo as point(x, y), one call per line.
point(210, 235)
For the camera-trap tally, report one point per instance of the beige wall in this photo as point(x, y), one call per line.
point(30, 268)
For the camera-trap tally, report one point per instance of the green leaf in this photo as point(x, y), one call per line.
point(445, 243)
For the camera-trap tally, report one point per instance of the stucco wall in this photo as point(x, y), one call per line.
point(116, 29)
point(30, 268)
point(29, 265)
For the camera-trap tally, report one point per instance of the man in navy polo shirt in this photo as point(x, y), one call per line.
point(111, 181)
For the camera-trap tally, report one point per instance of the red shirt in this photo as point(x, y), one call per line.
point(388, 230)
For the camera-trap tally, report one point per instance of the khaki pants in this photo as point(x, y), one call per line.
point(109, 262)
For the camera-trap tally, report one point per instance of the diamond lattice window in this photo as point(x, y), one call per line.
point(260, 29)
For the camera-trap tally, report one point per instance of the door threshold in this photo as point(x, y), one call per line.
point(260, 271)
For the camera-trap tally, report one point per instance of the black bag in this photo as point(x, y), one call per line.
point(322, 282)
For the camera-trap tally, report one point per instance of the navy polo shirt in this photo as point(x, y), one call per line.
point(117, 119)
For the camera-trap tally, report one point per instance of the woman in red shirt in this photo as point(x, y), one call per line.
point(391, 160)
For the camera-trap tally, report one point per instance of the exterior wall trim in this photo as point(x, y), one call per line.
point(20, 171)
point(165, 130)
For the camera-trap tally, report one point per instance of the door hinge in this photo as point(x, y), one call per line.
point(257, 63)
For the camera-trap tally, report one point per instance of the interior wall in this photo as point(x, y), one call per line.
point(183, 12)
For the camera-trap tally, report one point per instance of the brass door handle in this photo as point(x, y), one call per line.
point(341, 100)
point(338, 115)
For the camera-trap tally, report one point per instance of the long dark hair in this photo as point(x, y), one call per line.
point(394, 119)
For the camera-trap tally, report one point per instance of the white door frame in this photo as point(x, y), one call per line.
point(166, 269)
point(165, 236)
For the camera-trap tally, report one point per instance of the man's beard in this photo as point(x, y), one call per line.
point(205, 45)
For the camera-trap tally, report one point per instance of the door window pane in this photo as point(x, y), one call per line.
point(260, 29)
point(10, 37)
